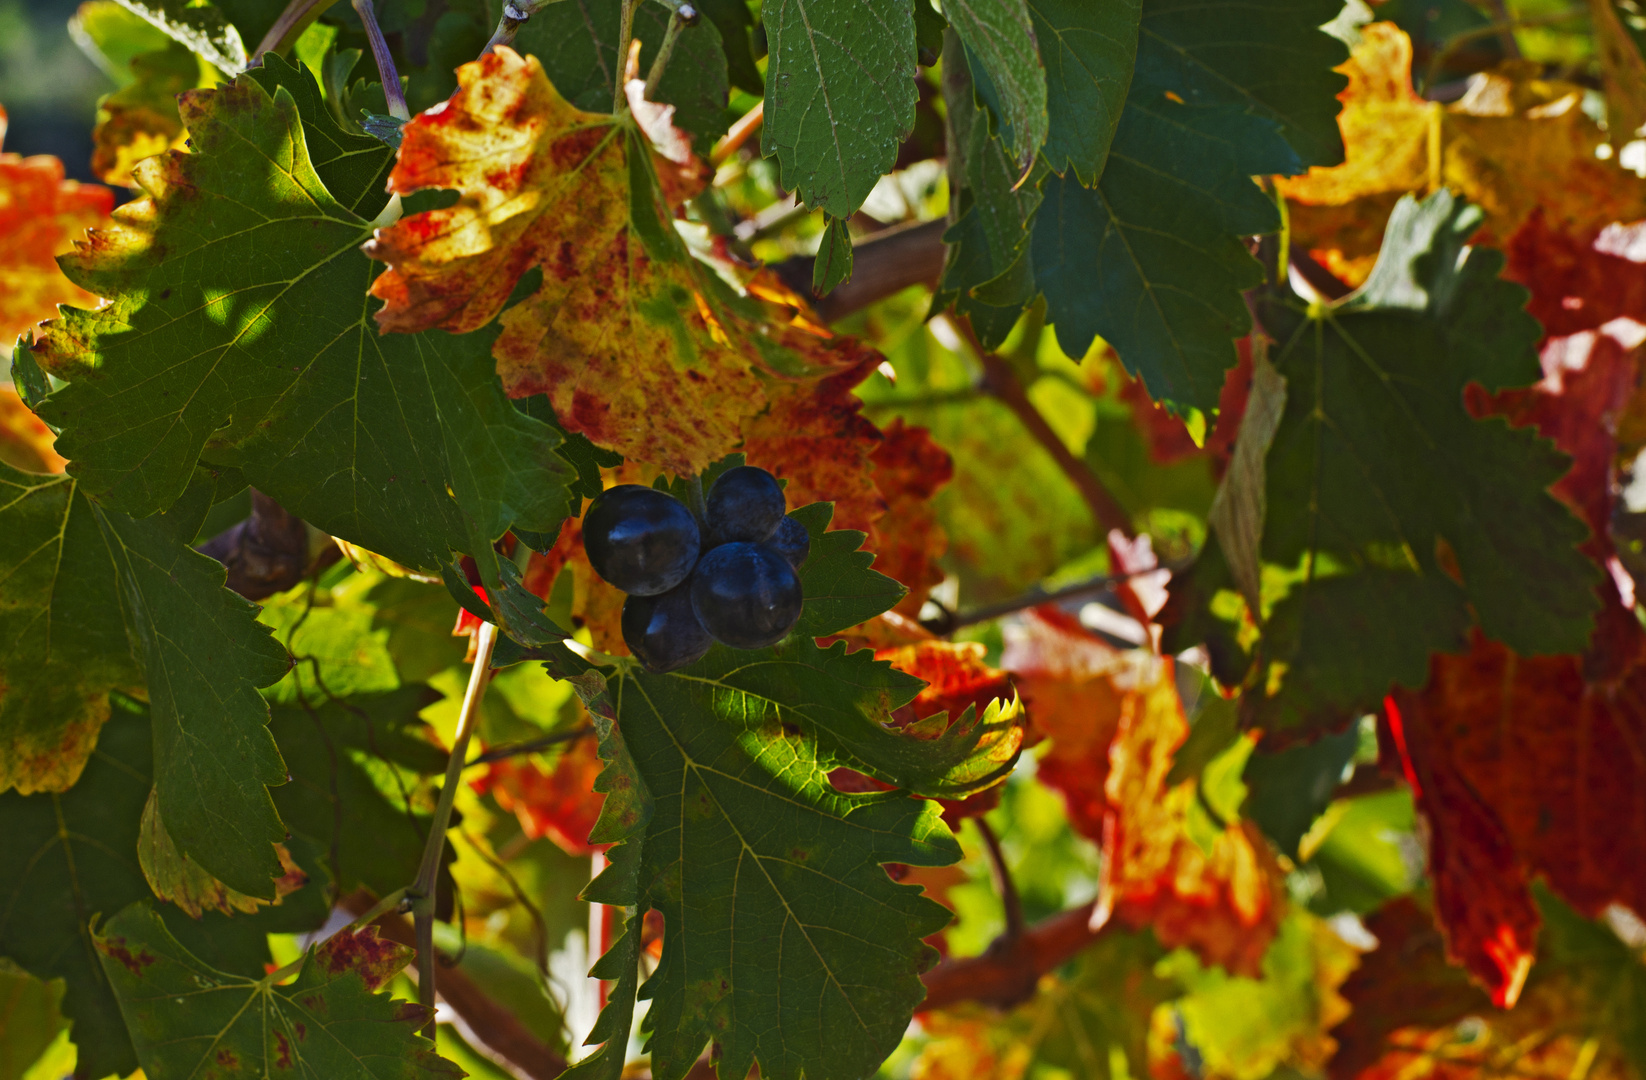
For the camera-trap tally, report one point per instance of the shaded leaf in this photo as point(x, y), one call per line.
point(63, 643)
point(1088, 51)
point(183, 1014)
point(840, 96)
point(833, 265)
point(1461, 528)
point(999, 35)
point(173, 876)
point(25, 440)
point(41, 214)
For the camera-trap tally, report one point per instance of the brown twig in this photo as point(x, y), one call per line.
point(1004, 886)
point(497, 1029)
point(884, 265)
point(1001, 382)
point(1007, 972)
point(266, 553)
point(948, 621)
point(508, 750)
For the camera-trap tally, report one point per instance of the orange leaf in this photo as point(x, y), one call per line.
point(560, 804)
point(1514, 143)
point(620, 336)
point(1115, 722)
point(41, 215)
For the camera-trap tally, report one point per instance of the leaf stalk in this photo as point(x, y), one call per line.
point(423, 890)
point(625, 37)
point(515, 15)
point(298, 17)
point(392, 93)
point(685, 15)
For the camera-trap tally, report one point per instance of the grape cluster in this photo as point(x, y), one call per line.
point(731, 578)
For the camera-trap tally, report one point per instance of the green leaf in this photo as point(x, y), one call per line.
point(1270, 58)
point(63, 643)
point(1152, 260)
point(1368, 854)
point(201, 26)
point(1381, 486)
point(833, 265)
point(839, 587)
point(30, 1019)
point(986, 267)
point(576, 41)
point(183, 1015)
point(1088, 50)
point(339, 647)
point(284, 375)
point(840, 96)
point(203, 656)
point(118, 35)
point(734, 21)
point(748, 842)
point(1095, 1022)
point(999, 36)
point(1288, 789)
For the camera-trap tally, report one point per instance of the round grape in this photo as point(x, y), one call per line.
point(642, 540)
point(663, 631)
point(792, 541)
point(745, 504)
point(746, 595)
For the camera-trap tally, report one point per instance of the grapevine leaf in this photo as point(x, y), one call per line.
point(175, 877)
point(329, 1022)
point(1377, 473)
point(999, 36)
point(140, 119)
point(576, 41)
point(616, 335)
point(734, 21)
point(117, 34)
point(40, 216)
point(30, 1022)
point(63, 858)
point(840, 590)
point(1104, 1007)
point(1159, 276)
point(203, 656)
point(1252, 56)
point(282, 373)
point(25, 440)
point(1515, 146)
point(986, 266)
point(200, 26)
point(840, 96)
point(1088, 50)
point(63, 643)
point(748, 842)
point(834, 258)
point(1116, 723)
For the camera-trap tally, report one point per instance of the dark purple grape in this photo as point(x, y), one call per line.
point(746, 595)
point(640, 539)
point(745, 504)
point(792, 541)
point(663, 631)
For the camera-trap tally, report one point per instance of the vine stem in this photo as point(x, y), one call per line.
point(1002, 383)
point(509, 750)
point(385, 61)
point(289, 27)
point(423, 890)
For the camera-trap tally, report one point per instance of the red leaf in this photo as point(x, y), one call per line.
point(560, 804)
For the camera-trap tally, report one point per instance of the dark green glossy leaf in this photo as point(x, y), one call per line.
point(998, 35)
point(1088, 50)
point(840, 96)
